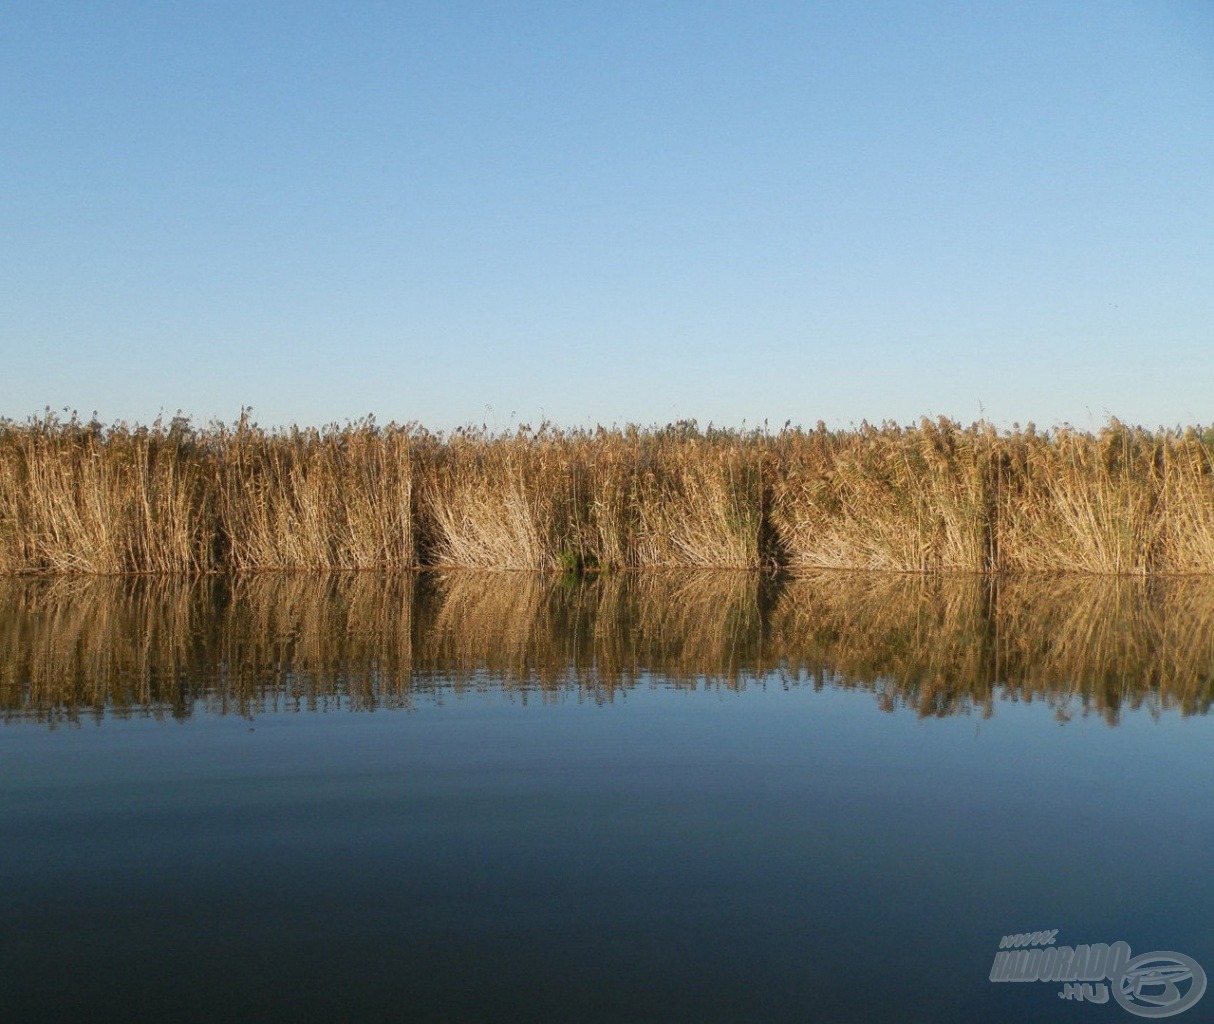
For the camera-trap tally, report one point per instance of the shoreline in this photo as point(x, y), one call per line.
point(84, 499)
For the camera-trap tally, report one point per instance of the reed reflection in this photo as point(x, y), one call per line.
point(73, 648)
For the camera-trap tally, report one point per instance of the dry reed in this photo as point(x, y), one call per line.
point(933, 497)
point(906, 500)
point(340, 498)
point(78, 498)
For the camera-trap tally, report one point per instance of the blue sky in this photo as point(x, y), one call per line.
point(609, 212)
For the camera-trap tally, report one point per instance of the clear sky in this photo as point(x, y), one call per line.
point(608, 212)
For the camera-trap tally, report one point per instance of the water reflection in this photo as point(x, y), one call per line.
point(73, 648)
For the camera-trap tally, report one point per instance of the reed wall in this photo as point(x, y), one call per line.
point(933, 497)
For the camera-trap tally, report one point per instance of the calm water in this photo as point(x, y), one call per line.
point(672, 798)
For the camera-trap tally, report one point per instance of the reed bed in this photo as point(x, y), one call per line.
point(926, 498)
point(340, 498)
point(74, 647)
point(80, 498)
point(918, 499)
point(498, 504)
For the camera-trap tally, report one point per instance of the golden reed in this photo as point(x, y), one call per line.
point(83, 498)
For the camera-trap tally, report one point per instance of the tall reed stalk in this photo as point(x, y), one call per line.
point(932, 497)
point(907, 500)
point(1081, 503)
point(338, 498)
point(75, 497)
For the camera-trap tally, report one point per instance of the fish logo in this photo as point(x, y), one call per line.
point(1160, 984)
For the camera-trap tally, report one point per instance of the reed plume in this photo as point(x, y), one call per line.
point(932, 497)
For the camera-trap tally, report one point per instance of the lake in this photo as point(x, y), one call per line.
point(645, 797)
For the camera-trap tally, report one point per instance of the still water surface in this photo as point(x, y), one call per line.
point(675, 798)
